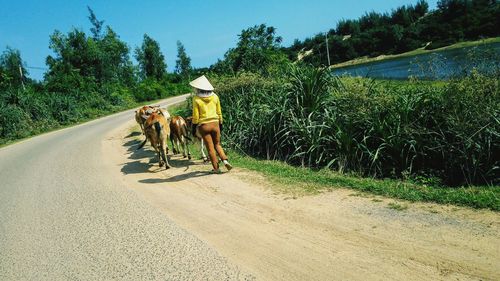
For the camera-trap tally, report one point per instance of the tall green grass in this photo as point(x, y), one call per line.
point(444, 133)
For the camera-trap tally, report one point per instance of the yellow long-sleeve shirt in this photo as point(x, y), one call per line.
point(206, 109)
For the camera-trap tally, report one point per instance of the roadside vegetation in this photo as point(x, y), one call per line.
point(436, 141)
point(88, 76)
point(447, 134)
point(443, 132)
point(297, 180)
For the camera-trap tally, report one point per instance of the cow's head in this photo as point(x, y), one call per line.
point(189, 121)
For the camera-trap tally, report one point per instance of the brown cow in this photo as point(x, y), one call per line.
point(138, 116)
point(189, 122)
point(157, 131)
point(146, 111)
point(179, 136)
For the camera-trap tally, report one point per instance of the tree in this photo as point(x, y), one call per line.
point(183, 62)
point(372, 20)
point(84, 62)
point(451, 8)
point(151, 60)
point(402, 16)
point(11, 66)
point(75, 61)
point(348, 27)
point(421, 8)
point(115, 64)
point(258, 47)
point(97, 25)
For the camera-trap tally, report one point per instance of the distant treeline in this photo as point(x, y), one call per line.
point(87, 76)
point(405, 28)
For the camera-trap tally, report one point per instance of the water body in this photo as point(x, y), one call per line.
point(437, 65)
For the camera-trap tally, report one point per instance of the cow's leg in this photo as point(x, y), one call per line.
point(159, 153)
point(176, 144)
point(172, 138)
point(163, 154)
point(166, 145)
point(180, 145)
point(204, 156)
point(186, 145)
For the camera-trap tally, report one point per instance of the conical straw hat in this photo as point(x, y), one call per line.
point(202, 83)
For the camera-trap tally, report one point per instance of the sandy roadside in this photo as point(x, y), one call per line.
point(331, 236)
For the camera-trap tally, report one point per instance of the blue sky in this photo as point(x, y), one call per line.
point(206, 28)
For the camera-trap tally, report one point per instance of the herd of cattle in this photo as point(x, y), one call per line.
point(158, 127)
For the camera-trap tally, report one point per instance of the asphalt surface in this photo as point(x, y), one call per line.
point(65, 215)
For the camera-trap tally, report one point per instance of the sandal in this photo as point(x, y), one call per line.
point(227, 165)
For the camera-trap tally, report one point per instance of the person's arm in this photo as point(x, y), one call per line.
point(196, 113)
point(219, 110)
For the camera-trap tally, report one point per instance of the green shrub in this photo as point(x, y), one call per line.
point(35, 105)
point(65, 108)
point(149, 89)
point(121, 96)
point(15, 122)
point(407, 129)
point(472, 129)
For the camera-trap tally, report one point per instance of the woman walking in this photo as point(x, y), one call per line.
point(207, 118)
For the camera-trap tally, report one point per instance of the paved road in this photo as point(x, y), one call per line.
point(64, 215)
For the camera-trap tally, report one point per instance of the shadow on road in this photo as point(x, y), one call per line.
point(138, 158)
point(135, 167)
point(132, 145)
point(133, 134)
point(177, 178)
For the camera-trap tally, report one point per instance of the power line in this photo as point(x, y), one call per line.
point(36, 67)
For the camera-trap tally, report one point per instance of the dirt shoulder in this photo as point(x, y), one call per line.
point(331, 236)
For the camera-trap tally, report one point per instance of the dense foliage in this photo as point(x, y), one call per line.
point(183, 62)
point(449, 133)
point(87, 77)
point(405, 28)
point(151, 60)
point(257, 50)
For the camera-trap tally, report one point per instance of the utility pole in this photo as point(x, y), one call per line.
point(21, 73)
point(327, 48)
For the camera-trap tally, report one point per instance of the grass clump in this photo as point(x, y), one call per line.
point(397, 207)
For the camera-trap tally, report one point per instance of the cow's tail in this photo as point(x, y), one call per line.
point(142, 144)
point(185, 132)
point(157, 129)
